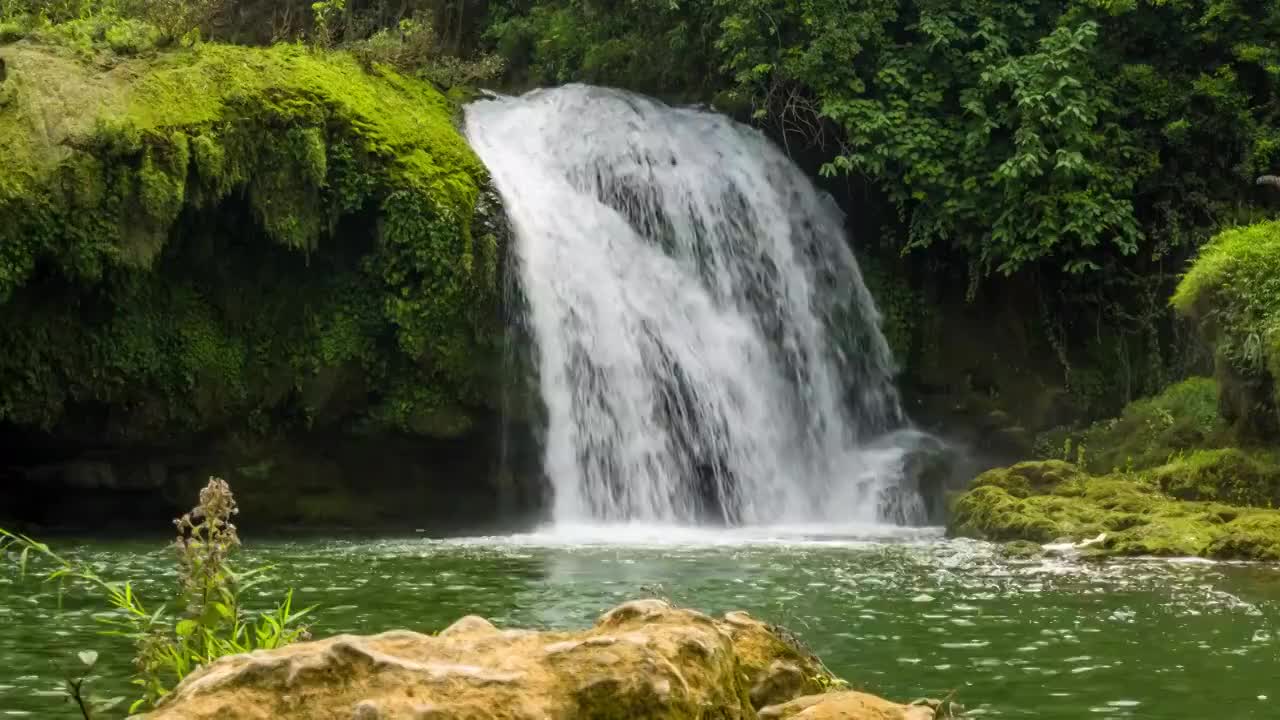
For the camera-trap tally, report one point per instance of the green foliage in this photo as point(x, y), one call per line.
point(1227, 475)
point(1080, 135)
point(328, 16)
point(1150, 431)
point(126, 26)
point(75, 682)
point(1232, 292)
point(208, 619)
point(132, 37)
point(413, 46)
point(905, 316)
point(659, 47)
point(271, 236)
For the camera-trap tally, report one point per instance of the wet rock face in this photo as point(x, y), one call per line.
point(644, 659)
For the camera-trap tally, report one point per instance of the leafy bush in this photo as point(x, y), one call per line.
point(1232, 291)
point(1066, 135)
point(1227, 475)
point(413, 47)
point(135, 25)
point(1148, 432)
point(131, 37)
point(205, 620)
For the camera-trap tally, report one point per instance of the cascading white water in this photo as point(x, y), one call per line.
point(706, 347)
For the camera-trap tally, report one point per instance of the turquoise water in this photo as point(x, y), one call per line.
point(904, 617)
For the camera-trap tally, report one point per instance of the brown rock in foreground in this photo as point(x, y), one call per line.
point(643, 659)
point(845, 705)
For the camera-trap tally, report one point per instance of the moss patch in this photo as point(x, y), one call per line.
point(1046, 501)
point(1228, 475)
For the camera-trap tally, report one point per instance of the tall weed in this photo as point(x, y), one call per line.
point(203, 621)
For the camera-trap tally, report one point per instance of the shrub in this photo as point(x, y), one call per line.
point(413, 47)
point(132, 37)
point(208, 619)
point(1148, 432)
point(1232, 291)
point(1228, 475)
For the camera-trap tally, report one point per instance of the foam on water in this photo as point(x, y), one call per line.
point(706, 348)
point(640, 535)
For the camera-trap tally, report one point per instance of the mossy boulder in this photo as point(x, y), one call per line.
point(1028, 478)
point(644, 659)
point(1232, 292)
point(1048, 501)
point(1253, 537)
point(221, 238)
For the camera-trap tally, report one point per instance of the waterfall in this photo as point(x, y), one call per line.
point(707, 351)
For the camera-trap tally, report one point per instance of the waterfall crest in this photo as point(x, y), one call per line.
point(706, 348)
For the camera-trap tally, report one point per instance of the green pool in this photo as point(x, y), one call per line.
point(904, 616)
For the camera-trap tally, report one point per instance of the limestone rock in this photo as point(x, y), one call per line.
point(846, 705)
point(776, 667)
point(643, 659)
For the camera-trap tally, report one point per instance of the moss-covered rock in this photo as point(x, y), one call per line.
point(222, 238)
point(1227, 475)
point(643, 659)
point(1232, 292)
point(1252, 537)
point(1046, 501)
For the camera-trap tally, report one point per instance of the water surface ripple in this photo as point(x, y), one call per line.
point(904, 616)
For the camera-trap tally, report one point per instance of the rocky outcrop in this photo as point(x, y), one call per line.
point(643, 659)
point(244, 262)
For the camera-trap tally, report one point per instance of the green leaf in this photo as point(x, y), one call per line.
point(185, 628)
point(88, 657)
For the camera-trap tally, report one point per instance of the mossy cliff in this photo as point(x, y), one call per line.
point(1232, 292)
point(227, 246)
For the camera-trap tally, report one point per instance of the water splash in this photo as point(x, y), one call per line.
point(706, 347)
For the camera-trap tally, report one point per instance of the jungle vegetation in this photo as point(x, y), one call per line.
point(209, 225)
